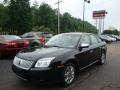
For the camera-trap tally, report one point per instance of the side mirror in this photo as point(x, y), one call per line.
point(83, 45)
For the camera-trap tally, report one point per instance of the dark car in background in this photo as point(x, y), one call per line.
point(37, 38)
point(60, 58)
point(11, 45)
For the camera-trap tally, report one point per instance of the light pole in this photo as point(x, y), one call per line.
point(58, 15)
point(88, 1)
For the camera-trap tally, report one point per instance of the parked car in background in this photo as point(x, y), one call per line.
point(107, 38)
point(115, 36)
point(11, 45)
point(60, 58)
point(37, 38)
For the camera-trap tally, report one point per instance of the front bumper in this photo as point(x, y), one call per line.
point(37, 74)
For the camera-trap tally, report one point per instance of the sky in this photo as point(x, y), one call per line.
point(75, 8)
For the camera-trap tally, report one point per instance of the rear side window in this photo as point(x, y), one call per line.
point(39, 34)
point(47, 35)
point(85, 39)
point(99, 40)
point(44, 35)
point(28, 35)
point(93, 39)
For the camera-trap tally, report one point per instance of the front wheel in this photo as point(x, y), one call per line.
point(102, 59)
point(68, 74)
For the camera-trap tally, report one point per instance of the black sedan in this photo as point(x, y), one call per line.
point(61, 58)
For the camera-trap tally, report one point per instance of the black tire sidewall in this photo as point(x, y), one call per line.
point(35, 45)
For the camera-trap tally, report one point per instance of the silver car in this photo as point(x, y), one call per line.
point(37, 38)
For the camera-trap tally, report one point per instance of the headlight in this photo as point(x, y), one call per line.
point(44, 62)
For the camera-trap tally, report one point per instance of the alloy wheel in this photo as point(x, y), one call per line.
point(103, 58)
point(69, 74)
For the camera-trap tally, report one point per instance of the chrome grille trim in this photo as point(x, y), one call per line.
point(24, 64)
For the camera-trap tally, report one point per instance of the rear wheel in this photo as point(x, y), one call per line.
point(102, 59)
point(35, 45)
point(68, 74)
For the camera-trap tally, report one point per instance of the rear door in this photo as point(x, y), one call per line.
point(95, 48)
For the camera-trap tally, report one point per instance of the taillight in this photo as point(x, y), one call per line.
point(11, 44)
point(42, 40)
point(26, 43)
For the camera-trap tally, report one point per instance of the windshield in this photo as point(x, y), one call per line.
point(64, 40)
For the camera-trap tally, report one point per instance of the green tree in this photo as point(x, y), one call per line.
point(3, 16)
point(107, 32)
point(66, 22)
point(34, 10)
point(20, 16)
point(69, 23)
point(46, 16)
point(89, 28)
point(5, 1)
point(119, 32)
point(42, 29)
point(115, 32)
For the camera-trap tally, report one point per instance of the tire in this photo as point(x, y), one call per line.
point(0, 56)
point(68, 74)
point(35, 45)
point(102, 59)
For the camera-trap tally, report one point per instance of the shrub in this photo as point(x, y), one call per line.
point(42, 29)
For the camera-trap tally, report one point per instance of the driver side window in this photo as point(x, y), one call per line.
point(94, 40)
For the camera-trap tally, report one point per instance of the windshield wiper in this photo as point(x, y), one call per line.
point(54, 46)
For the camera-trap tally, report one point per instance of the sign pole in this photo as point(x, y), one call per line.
point(100, 15)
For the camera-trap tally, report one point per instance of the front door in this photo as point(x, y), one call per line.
point(84, 55)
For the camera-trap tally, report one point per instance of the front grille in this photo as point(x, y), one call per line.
point(30, 57)
point(24, 64)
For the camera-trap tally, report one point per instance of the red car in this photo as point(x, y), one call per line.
point(11, 45)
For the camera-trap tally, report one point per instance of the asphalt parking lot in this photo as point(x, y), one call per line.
point(106, 77)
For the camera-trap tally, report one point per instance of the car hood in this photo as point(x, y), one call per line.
point(43, 52)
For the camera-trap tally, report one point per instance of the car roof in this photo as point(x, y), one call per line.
point(36, 32)
point(77, 33)
point(7, 35)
